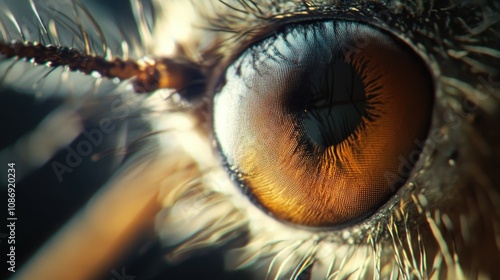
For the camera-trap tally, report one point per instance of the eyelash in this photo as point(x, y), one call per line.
point(353, 235)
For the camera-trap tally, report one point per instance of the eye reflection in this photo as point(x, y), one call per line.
point(313, 120)
point(328, 114)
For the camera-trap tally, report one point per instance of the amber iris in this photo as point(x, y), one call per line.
point(316, 121)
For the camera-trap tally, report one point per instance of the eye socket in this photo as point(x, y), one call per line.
point(322, 122)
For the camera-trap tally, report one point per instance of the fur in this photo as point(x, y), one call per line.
point(444, 223)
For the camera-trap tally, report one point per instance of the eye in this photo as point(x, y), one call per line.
point(316, 122)
point(294, 141)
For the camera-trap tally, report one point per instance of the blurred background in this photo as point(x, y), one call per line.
point(44, 204)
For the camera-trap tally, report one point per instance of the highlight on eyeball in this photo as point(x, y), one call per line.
point(249, 139)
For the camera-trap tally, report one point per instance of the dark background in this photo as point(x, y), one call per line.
point(43, 204)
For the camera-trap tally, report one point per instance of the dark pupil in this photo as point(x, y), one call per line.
point(334, 101)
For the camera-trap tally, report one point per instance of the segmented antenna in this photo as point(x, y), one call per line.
point(147, 75)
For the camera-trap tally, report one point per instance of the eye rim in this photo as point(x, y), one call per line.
point(365, 13)
point(349, 12)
